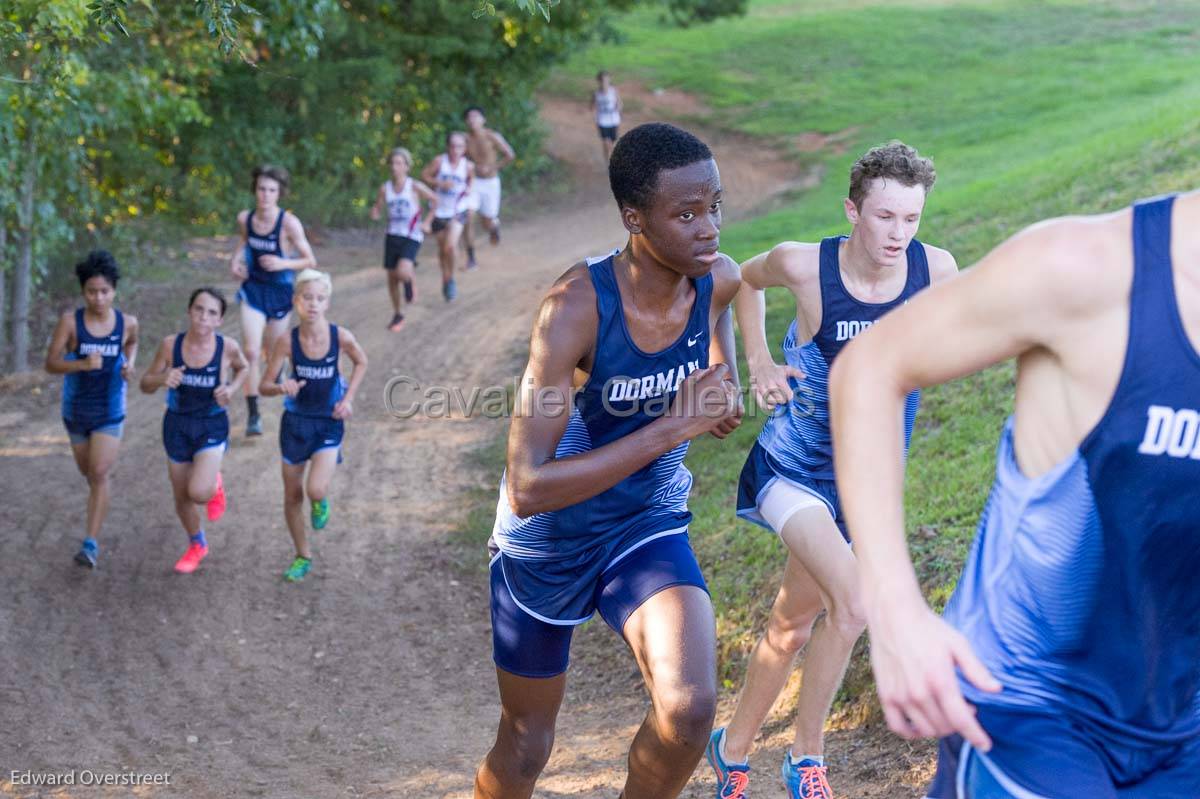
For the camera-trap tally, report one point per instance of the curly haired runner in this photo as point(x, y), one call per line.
point(318, 401)
point(195, 425)
point(841, 286)
point(95, 347)
point(593, 504)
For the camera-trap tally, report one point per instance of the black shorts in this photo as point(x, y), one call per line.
point(607, 133)
point(397, 249)
point(440, 223)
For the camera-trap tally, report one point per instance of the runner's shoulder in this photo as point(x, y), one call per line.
point(797, 262)
point(727, 279)
point(941, 263)
point(569, 305)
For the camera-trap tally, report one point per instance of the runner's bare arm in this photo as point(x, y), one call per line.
point(129, 369)
point(235, 359)
point(783, 265)
point(380, 200)
point(1012, 302)
point(563, 337)
point(279, 353)
point(506, 150)
point(63, 341)
point(723, 346)
point(156, 376)
point(237, 264)
point(293, 231)
point(358, 356)
point(430, 172)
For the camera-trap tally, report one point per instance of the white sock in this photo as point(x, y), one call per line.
point(795, 761)
point(721, 752)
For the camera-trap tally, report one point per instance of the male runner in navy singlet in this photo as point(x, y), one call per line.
point(1068, 661)
point(593, 505)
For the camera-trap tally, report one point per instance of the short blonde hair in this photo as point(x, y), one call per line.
point(403, 153)
point(314, 276)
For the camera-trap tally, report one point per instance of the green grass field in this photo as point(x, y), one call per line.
point(1030, 110)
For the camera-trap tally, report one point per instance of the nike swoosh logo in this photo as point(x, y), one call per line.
point(693, 339)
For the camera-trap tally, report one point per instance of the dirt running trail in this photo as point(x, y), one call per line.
point(371, 678)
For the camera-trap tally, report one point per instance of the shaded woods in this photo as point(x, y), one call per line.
point(126, 121)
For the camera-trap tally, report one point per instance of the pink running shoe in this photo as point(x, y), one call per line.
point(191, 559)
point(215, 508)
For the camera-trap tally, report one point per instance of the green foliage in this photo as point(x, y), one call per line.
point(1029, 109)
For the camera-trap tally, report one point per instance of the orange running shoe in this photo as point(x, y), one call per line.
point(215, 508)
point(191, 559)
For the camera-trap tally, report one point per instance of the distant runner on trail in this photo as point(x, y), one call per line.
point(193, 367)
point(317, 402)
point(451, 175)
point(482, 146)
point(402, 196)
point(94, 347)
point(267, 233)
point(606, 103)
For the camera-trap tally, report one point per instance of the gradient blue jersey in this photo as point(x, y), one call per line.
point(796, 437)
point(324, 386)
point(1082, 591)
point(270, 244)
point(194, 396)
point(627, 389)
point(97, 396)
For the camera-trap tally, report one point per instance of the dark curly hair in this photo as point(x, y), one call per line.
point(892, 161)
point(644, 152)
point(98, 262)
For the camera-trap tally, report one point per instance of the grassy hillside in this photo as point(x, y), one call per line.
point(1029, 110)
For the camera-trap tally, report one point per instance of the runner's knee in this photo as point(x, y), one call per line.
point(685, 714)
point(787, 636)
point(532, 741)
point(847, 617)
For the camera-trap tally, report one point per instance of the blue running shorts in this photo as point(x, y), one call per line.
point(529, 646)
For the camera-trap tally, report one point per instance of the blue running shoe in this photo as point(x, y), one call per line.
point(450, 290)
point(732, 780)
point(805, 780)
point(87, 554)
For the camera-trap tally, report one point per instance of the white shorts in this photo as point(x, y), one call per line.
point(486, 196)
point(782, 500)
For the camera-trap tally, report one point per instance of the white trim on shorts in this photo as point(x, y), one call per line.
point(1006, 782)
point(486, 196)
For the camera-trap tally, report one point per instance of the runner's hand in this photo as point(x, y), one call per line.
point(221, 394)
point(292, 387)
point(238, 267)
point(375, 212)
point(128, 371)
point(914, 654)
point(344, 409)
point(732, 423)
point(94, 361)
point(271, 263)
point(771, 386)
point(174, 377)
point(706, 399)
